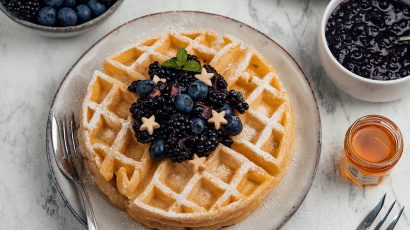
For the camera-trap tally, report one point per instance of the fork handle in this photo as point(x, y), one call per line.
point(91, 221)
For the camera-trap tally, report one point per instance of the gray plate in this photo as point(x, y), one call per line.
point(285, 199)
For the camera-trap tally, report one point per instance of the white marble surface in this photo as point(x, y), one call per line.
point(32, 66)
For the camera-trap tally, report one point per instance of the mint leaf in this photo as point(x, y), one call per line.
point(171, 63)
point(179, 64)
point(192, 66)
point(182, 56)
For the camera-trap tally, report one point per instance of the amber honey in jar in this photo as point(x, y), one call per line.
point(373, 145)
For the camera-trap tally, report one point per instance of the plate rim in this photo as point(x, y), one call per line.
point(319, 121)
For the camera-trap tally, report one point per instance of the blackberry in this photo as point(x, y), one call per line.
point(217, 81)
point(237, 101)
point(178, 125)
point(142, 108)
point(142, 136)
point(164, 107)
point(217, 98)
point(163, 87)
point(176, 150)
point(185, 78)
point(24, 9)
point(156, 69)
point(192, 57)
point(224, 138)
point(207, 143)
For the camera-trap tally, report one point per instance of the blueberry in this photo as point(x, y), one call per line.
point(184, 103)
point(228, 110)
point(198, 125)
point(198, 90)
point(67, 17)
point(156, 150)
point(97, 7)
point(234, 126)
point(84, 13)
point(70, 3)
point(145, 87)
point(47, 16)
point(56, 4)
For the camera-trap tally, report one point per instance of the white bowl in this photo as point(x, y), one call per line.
point(353, 84)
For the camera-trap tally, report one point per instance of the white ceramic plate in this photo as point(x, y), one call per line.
point(284, 200)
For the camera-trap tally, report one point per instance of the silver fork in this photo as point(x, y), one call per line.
point(369, 219)
point(69, 160)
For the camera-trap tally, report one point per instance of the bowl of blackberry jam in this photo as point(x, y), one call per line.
point(364, 49)
point(59, 18)
point(185, 109)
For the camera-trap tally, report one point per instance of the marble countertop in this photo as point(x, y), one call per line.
point(32, 66)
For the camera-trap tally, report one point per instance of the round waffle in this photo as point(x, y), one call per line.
point(168, 195)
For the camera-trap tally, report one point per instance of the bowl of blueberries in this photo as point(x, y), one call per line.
point(59, 18)
point(364, 47)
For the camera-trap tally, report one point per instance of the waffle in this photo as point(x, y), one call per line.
point(167, 195)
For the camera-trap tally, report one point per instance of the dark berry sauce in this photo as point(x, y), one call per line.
point(363, 37)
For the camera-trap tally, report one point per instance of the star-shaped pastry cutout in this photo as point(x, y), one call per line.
point(157, 79)
point(205, 77)
point(198, 163)
point(149, 124)
point(218, 119)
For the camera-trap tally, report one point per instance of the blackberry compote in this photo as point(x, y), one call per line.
point(183, 106)
point(363, 35)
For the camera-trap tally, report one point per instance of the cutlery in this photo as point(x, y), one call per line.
point(69, 160)
point(369, 219)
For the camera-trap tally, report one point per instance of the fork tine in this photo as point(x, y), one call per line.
point(395, 220)
point(64, 138)
point(69, 142)
point(384, 217)
point(369, 219)
point(57, 135)
point(73, 137)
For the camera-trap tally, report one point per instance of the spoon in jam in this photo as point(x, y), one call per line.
point(405, 38)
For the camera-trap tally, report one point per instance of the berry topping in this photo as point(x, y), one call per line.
point(234, 126)
point(143, 88)
point(198, 90)
point(187, 118)
point(157, 79)
point(217, 119)
point(156, 150)
point(217, 98)
point(198, 125)
point(205, 77)
point(202, 111)
point(228, 110)
point(149, 124)
point(184, 103)
point(237, 101)
point(198, 163)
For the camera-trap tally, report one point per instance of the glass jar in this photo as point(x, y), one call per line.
point(373, 145)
